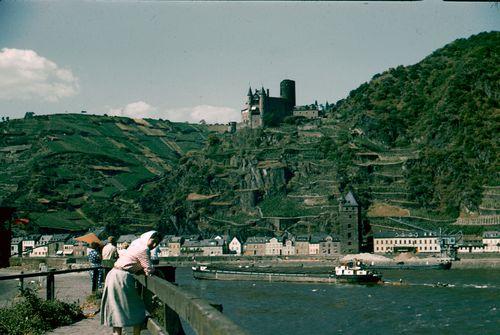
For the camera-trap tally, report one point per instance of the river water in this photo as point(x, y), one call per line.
point(470, 304)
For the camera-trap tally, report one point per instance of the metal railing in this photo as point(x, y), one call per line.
point(50, 277)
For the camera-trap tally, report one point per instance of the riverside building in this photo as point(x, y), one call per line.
point(422, 242)
point(255, 246)
point(491, 241)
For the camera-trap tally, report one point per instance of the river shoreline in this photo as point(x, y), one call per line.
point(465, 262)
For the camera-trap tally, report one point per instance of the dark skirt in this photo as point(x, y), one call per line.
point(121, 305)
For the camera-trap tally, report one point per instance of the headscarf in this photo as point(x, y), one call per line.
point(141, 243)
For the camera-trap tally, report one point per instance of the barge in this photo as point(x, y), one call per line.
point(342, 274)
point(445, 265)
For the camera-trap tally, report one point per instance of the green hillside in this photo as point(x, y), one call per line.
point(447, 108)
point(62, 170)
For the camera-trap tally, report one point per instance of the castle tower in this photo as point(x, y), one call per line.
point(287, 91)
point(249, 95)
point(262, 103)
point(349, 221)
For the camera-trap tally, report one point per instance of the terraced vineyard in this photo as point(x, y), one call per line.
point(61, 168)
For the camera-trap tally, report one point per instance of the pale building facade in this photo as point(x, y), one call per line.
point(422, 242)
point(235, 246)
point(274, 247)
point(288, 248)
point(209, 247)
point(29, 243)
point(314, 248)
point(16, 246)
point(491, 241)
point(174, 246)
point(472, 248)
point(68, 249)
point(329, 246)
point(302, 245)
point(42, 251)
point(255, 246)
point(212, 247)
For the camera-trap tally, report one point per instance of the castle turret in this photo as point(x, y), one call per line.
point(262, 91)
point(249, 95)
point(287, 91)
point(262, 102)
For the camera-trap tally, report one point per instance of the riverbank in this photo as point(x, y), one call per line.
point(477, 263)
point(467, 261)
point(321, 264)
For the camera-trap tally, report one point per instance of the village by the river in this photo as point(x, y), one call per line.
point(249, 167)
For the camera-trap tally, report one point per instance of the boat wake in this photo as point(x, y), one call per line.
point(440, 284)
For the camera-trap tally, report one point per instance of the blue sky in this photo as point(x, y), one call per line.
point(187, 61)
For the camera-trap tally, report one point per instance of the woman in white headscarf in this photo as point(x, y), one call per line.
point(121, 305)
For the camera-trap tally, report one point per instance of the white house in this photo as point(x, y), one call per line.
point(491, 241)
point(313, 248)
point(42, 251)
point(274, 246)
point(235, 246)
point(68, 247)
point(15, 246)
point(471, 247)
point(288, 248)
point(29, 243)
point(314, 245)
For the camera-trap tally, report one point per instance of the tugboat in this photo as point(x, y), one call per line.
point(354, 273)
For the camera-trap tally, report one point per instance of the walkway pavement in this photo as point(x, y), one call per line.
point(90, 326)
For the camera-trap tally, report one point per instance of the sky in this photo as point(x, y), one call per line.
point(188, 61)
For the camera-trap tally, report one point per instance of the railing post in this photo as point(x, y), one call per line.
point(146, 295)
point(171, 321)
point(95, 278)
point(50, 284)
point(21, 282)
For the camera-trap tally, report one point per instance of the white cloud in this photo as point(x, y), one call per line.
point(139, 109)
point(26, 75)
point(211, 114)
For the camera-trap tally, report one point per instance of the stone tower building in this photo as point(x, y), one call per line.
point(349, 224)
point(261, 110)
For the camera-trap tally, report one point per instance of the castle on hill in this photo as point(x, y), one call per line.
point(262, 110)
